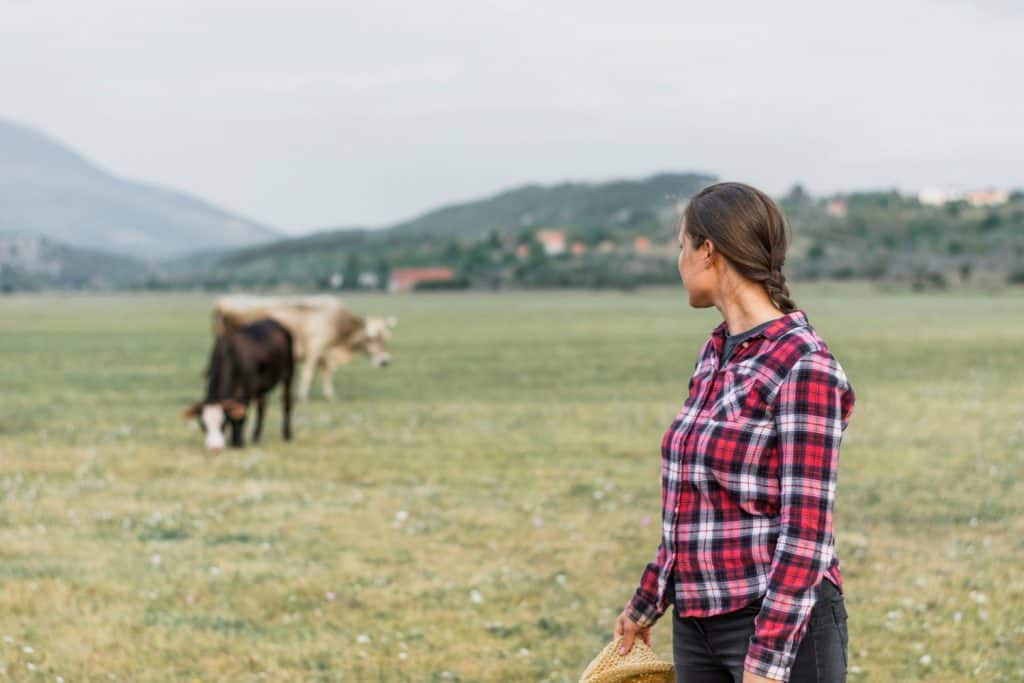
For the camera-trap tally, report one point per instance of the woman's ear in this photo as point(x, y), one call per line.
point(708, 252)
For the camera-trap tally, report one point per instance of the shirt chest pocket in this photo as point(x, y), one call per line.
point(744, 395)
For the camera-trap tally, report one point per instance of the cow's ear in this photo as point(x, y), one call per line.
point(192, 411)
point(234, 409)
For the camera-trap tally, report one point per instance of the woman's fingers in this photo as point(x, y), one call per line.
point(627, 642)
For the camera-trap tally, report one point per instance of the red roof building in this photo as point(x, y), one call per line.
point(406, 279)
point(553, 241)
point(836, 208)
point(988, 197)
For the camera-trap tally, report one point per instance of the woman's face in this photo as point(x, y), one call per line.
point(694, 271)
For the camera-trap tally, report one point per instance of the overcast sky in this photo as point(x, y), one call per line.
point(308, 114)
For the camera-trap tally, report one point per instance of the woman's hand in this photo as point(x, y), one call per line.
point(628, 630)
point(751, 677)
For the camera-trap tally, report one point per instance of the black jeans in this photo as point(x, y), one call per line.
point(712, 649)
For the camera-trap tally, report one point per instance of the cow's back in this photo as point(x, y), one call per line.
point(309, 320)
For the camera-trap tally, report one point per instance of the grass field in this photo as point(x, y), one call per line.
point(481, 510)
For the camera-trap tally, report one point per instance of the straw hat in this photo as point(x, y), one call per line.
point(639, 665)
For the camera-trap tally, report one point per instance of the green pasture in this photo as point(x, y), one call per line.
point(482, 509)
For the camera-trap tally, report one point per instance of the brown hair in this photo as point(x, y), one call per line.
point(748, 228)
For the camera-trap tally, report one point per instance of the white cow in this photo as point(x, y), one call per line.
point(325, 332)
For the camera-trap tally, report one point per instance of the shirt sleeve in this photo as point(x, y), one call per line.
point(813, 408)
point(644, 607)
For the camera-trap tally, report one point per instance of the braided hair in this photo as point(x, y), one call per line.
point(748, 228)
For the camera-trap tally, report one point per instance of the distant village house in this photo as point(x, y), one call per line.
point(936, 197)
point(933, 196)
point(369, 279)
point(836, 208)
point(988, 197)
point(406, 279)
point(553, 241)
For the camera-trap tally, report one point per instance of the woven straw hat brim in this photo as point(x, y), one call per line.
point(635, 674)
point(640, 665)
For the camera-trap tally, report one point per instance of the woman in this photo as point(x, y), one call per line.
point(749, 468)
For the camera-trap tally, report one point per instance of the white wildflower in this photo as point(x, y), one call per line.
point(363, 639)
point(475, 597)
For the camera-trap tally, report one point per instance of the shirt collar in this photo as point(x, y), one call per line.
point(775, 330)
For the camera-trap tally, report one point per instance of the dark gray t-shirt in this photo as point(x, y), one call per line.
point(732, 340)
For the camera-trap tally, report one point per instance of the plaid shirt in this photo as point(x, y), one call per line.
point(748, 482)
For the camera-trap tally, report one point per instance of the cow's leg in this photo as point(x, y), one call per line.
point(238, 433)
point(286, 404)
point(327, 374)
point(308, 368)
point(261, 405)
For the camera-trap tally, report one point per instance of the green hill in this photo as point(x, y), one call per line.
point(582, 206)
point(590, 211)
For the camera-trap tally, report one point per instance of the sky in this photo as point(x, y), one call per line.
point(308, 115)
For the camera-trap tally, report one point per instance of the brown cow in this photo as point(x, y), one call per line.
point(245, 364)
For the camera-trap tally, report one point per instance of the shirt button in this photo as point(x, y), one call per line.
point(745, 344)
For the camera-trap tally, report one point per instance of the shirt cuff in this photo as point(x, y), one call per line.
point(768, 663)
point(642, 612)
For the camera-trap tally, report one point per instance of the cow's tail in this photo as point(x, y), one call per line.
point(219, 325)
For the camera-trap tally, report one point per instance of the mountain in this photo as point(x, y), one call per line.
point(48, 189)
point(336, 238)
point(34, 262)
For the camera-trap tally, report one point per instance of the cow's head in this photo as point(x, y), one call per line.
point(374, 338)
point(214, 418)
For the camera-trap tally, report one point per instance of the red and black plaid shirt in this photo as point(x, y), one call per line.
point(749, 472)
